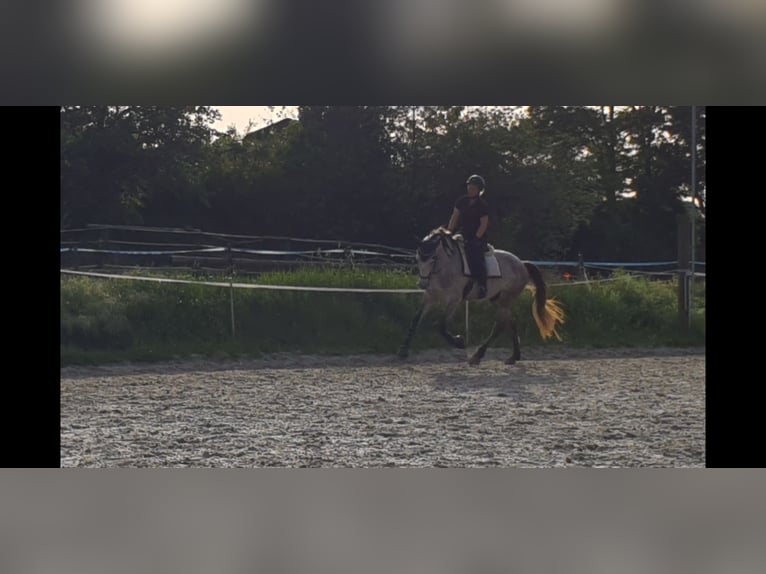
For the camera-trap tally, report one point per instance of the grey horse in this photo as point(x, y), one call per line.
point(440, 267)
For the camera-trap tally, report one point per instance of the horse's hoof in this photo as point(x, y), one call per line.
point(474, 360)
point(511, 361)
point(403, 353)
point(459, 342)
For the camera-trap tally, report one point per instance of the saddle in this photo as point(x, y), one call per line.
point(493, 267)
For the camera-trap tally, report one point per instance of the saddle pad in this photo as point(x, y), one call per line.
point(493, 268)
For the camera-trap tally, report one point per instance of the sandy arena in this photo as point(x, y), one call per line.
point(555, 408)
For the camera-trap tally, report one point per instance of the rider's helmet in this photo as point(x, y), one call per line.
point(478, 181)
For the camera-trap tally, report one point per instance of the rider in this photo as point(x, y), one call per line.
point(472, 212)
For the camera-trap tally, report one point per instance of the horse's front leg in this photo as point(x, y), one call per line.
point(455, 340)
point(404, 350)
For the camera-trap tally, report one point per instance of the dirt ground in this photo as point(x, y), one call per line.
point(555, 408)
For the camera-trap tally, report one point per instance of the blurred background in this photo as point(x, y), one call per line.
point(549, 51)
point(432, 521)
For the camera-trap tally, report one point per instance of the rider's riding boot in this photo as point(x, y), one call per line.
point(482, 292)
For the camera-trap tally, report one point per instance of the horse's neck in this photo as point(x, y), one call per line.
point(451, 265)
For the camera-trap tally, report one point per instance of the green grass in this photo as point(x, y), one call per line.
point(341, 277)
point(629, 311)
point(107, 320)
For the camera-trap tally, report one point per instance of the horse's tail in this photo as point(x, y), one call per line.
point(547, 312)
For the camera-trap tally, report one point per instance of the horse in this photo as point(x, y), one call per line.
point(442, 277)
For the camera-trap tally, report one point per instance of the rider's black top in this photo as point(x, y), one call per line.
point(470, 216)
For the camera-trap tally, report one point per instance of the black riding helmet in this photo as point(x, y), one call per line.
point(478, 181)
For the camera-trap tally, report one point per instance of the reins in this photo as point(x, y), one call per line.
point(444, 241)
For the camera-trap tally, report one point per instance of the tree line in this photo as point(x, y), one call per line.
point(608, 181)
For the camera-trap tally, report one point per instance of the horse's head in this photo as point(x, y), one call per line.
point(437, 245)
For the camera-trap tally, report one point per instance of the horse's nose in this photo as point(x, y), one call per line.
point(423, 283)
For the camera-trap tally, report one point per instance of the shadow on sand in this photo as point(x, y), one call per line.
point(511, 381)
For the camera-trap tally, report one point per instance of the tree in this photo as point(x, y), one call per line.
point(654, 165)
point(340, 174)
point(128, 164)
point(552, 180)
point(605, 181)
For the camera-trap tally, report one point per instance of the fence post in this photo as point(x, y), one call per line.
point(684, 253)
point(231, 304)
point(582, 275)
point(231, 289)
point(348, 255)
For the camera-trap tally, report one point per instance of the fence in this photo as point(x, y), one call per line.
point(128, 247)
point(102, 246)
point(124, 247)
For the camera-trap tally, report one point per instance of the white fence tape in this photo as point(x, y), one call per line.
point(296, 287)
point(243, 285)
point(289, 287)
point(231, 285)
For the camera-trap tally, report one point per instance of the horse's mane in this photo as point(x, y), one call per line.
point(448, 240)
point(446, 234)
point(452, 239)
point(442, 231)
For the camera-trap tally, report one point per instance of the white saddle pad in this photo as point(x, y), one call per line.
point(493, 268)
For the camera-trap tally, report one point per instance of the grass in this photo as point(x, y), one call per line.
point(107, 320)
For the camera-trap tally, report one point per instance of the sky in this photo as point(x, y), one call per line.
point(262, 116)
point(239, 116)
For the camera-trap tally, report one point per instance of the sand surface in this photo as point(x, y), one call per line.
point(555, 408)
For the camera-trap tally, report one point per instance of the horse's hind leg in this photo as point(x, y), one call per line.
point(501, 324)
point(516, 343)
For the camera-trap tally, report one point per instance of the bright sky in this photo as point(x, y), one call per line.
point(261, 116)
point(239, 116)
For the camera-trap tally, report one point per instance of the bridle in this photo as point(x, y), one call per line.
point(432, 257)
point(431, 272)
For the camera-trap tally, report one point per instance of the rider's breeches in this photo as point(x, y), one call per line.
point(474, 252)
